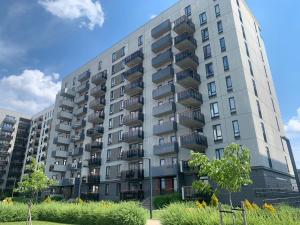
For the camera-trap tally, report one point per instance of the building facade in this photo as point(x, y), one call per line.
point(196, 77)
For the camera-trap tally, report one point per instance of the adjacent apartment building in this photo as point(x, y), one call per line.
point(194, 78)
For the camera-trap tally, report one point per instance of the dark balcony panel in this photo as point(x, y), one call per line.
point(134, 59)
point(75, 166)
point(94, 162)
point(165, 171)
point(97, 104)
point(76, 152)
point(65, 103)
point(3, 153)
point(190, 98)
point(163, 58)
point(132, 174)
point(65, 115)
point(100, 78)
point(185, 168)
point(163, 74)
point(78, 124)
point(195, 142)
point(80, 111)
point(185, 41)
point(84, 76)
point(134, 88)
point(94, 146)
point(93, 179)
point(95, 132)
point(188, 78)
point(165, 149)
point(97, 117)
point(187, 59)
point(163, 91)
point(81, 99)
point(164, 109)
point(134, 104)
point(133, 154)
point(165, 128)
point(133, 136)
point(192, 120)
point(184, 25)
point(137, 195)
point(161, 29)
point(69, 93)
point(134, 73)
point(60, 154)
point(3, 162)
point(98, 91)
point(83, 88)
point(162, 43)
point(133, 119)
point(67, 182)
point(61, 141)
point(79, 137)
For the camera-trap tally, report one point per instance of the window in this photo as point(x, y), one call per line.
point(111, 108)
point(112, 95)
point(222, 44)
point(217, 130)
point(264, 132)
point(232, 105)
point(205, 34)
point(225, 63)
point(217, 10)
point(113, 82)
point(214, 110)
point(162, 184)
point(100, 65)
point(251, 68)
point(209, 70)
point(110, 123)
point(220, 27)
point(273, 105)
point(109, 141)
point(258, 109)
point(119, 170)
point(122, 89)
point(107, 173)
point(173, 139)
point(121, 118)
point(188, 10)
point(254, 88)
point(247, 49)
point(219, 153)
point(120, 135)
point(122, 105)
point(106, 189)
point(240, 15)
point(228, 83)
point(140, 40)
point(203, 18)
point(212, 89)
point(207, 51)
point(118, 54)
point(236, 128)
point(162, 162)
point(244, 34)
point(269, 157)
point(287, 165)
point(161, 141)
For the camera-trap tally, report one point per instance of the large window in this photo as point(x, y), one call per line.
point(222, 44)
point(207, 51)
point(251, 68)
point(254, 88)
point(188, 10)
point(214, 110)
point(212, 89)
point(258, 109)
point(220, 27)
point(236, 128)
point(225, 63)
point(217, 130)
point(264, 132)
point(219, 153)
point(209, 70)
point(205, 35)
point(269, 157)
point(203, 18)
point(217, 10)
point(140, 40)
point(232, 105)
point(228, 83)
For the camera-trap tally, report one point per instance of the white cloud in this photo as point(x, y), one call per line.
point(89, 12)
point(153, 16)
point(292, 129)
point(29, 92)
point(10, 53)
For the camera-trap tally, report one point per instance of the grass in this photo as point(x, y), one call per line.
point(34, 223)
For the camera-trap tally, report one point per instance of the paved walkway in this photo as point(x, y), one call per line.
point(153, 222)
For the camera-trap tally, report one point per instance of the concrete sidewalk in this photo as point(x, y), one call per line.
point(153, 222)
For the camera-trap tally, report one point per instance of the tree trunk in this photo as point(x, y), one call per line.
point(230, 199)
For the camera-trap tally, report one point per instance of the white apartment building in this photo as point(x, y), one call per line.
point(196, 77)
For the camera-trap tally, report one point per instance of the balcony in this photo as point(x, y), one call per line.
point(163, 91)
point(192, 120)
point(100, 78)
point(61, 141)
point(3, 153)
point(79, 137)
point(163, 58)
point(63, 128)
point(162, 43)
point(134, 59)
point(94, 162)
point(133, 136)
point(84, 76)
point(2, 172)
point(81, 99)
point(185, 42)
point(161, 29)
point(3, 162)
point(95, 132)
point(76, 152)
point(185, 168)
point(134, 73)
point(190, 98)
point(66, 103)
point(165, 128)
point(97, 104)
point(67, 182)
point(79, 124)
point(164, 109)
point(188, 79)
point(134, 104)
point(94, 146)
point(184, 25)
point(80, 111)
point(93, 179)
point(165, 171)
point(187, 59)
point(60, 154)
point(195, 142)
point(134, 88)
point(166, 148)
point(64, 115)
point(137, 195)
point(98, 91)
point(58, 168)
point(8, 129)
point(83, 88)
point(75, 166)
point(132, 154)
point(97, 117)
point(68, 93)
point(9, 120)
point(133, 119)
point(132, 174)
point(166, 73)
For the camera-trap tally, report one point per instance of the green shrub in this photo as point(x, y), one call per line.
point(57, 198)
point(165, 200)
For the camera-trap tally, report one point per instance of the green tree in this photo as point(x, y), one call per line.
point(230, 173)
point(35, 180)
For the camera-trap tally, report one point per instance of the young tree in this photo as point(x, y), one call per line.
point(230, 173)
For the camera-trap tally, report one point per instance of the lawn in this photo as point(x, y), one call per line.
point(34, 223)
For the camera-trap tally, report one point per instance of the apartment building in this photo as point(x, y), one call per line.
point(194, 78)
point(14, 130)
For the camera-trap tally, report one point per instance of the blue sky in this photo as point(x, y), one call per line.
point(41, 42)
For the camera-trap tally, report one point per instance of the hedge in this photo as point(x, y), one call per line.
point(161, 201)
point(103, 213)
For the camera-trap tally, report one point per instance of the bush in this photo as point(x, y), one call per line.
point(165, 200)
point(57, 198)
point(214, 201)
point(7, 201)
point(126, 213)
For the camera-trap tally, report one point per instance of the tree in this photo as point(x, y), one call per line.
point(230, 173)
point(35, 180)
